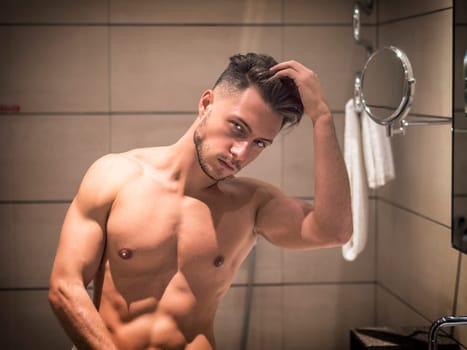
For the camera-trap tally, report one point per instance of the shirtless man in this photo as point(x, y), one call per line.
point(162, 231)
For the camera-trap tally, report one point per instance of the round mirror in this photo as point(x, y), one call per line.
point(387, 85)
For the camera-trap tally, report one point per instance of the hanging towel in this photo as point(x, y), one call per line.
point(377, 153)
point(353, 156)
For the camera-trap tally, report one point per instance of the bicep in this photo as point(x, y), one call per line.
point(280, 219)
point(83, 234)
point(81, 245)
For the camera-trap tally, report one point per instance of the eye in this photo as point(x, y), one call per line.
point(238, 127)
point(260, 144)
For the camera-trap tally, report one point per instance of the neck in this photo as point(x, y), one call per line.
point(185, 163)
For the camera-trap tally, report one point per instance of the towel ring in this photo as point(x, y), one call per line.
point(387, 87)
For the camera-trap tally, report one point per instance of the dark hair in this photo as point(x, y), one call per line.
point(252, 69)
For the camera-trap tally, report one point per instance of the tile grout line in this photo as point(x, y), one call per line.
point(109, 76)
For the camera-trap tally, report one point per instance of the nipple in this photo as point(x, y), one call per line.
point(125, 253)
point(218, 261)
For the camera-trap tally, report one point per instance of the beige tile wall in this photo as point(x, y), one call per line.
point(336, 308)
point(135, 131)
point(29, 240)
point(429, 48)
point(416, 261)
point(167, 68)
point(196, 11)
point(56, 11)
point(391, 311)
point(397, 9)
point(298, 177)
point(230, 317)
point(28, 323)
point(278, 314)
point(45, 156)
point(417, 268)
point(322, 12)
point(422, 161)
point(55, 69)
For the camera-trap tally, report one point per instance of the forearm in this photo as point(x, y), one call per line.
point(78, 315)
point(332, 210)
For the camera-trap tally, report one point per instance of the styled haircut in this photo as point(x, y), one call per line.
point(251, 69)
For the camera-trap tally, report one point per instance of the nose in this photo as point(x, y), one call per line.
point(239, 150)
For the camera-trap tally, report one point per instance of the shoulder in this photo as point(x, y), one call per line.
point(259, 186)
point(106, 176)
point(257, 190)
point(114, 167)
point(129, 163)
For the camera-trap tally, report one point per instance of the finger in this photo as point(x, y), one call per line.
point(289, 64)
point(286, 72)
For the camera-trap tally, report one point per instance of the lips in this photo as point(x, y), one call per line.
point(227, 165)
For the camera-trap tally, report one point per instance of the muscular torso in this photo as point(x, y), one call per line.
point(169, 258)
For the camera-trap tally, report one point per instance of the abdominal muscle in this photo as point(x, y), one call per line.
point(179, 320)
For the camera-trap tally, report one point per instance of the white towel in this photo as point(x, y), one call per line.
point(353, 156)
point(369, 162)
point(377, 152)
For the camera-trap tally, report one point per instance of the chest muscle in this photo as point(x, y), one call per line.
point(152, 231)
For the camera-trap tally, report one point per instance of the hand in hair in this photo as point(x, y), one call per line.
point(308, 85)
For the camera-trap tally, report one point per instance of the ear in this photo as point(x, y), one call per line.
point(205, 102)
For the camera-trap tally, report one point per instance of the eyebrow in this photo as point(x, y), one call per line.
point(247, 126)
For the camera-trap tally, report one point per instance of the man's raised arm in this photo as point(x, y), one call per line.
point(290, 222)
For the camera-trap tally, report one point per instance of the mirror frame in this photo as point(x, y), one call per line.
point(459, 130)
point(407, 94)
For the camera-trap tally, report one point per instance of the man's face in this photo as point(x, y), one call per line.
point(233, 131)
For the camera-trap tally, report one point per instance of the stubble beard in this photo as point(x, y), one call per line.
point(201, 148)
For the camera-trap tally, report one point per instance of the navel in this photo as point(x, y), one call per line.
point(125, 253)
point(218, 261)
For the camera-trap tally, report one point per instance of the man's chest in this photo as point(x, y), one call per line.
point(153, 230)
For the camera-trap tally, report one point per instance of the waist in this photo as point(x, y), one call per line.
point(162, 331)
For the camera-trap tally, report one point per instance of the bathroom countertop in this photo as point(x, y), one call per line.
point(413, 338)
